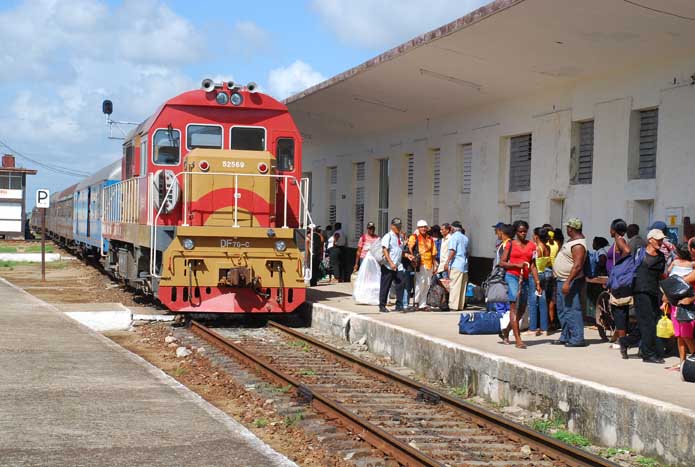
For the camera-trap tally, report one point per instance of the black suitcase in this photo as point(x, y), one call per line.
point(688, 369)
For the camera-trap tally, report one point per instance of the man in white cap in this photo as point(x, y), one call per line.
point(421, 245)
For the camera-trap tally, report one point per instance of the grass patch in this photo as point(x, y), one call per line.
point(294, 419)
point(612, 452)
point(260, 422)
point(179, 371)
point(10, 264)
point(571, 438)
point(283, 389)
point(547, 425)
point(648, 462)
point(301, 345)
point(307, 372)
point(460, 391)
point(25, 249)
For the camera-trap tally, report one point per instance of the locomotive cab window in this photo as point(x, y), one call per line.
point(285, 154)
point(247, 138)
point(203, 136)
point(166, 147)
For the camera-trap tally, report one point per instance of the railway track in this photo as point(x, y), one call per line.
point(413, 424)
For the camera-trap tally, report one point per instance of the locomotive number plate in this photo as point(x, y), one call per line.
point(233, 164)
point(224, 243)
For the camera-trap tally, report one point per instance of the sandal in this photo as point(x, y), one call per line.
point(674, 368)
point(520, 345)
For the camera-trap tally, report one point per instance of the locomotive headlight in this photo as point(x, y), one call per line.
point(222, 98)
point(188, 244)
point(236, 98)
point(280, 245)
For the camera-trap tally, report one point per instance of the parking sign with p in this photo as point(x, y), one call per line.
point(43, 198)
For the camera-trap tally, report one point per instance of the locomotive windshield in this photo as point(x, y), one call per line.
point(204, 136)
point(166, 147)
point(248, 138)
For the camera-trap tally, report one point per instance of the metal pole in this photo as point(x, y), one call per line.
point(43, 244)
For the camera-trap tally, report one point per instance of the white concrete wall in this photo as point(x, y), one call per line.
point(610, 101)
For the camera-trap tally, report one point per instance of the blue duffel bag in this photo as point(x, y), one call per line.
point(480, 322)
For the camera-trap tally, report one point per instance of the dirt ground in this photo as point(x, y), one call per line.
point(68, 281)
point(198, 374)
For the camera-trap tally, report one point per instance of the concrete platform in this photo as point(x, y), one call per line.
point(615, 402)
point(71, 397)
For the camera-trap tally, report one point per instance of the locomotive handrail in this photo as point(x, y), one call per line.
point(154, 225)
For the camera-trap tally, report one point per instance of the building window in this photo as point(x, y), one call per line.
point(285, 154)
point(648, 127)
point(359, 169)
point(436, 183)
point(10, 181)
point(410, 179)
point(247, 138)
point(166, 147)
point(383, 211)
point(520, 163)
point(204, 136)
point(466, 175)
point(332, 195)
point(310, 200)
point(582, 157)
point(520, 212)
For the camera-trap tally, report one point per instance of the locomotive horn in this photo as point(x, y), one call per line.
point(208, 85)
point(251, 86)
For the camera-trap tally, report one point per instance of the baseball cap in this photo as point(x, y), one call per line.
point(396, 221)
point(661, 225)
point(656, 234)
point(370, 225)
point(498, 225)
point(575, 223)
point(422, 223)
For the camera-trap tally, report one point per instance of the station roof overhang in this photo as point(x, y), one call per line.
point(506, 49)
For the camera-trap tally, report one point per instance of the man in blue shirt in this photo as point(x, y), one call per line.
point(392, 267)
point(457, 267)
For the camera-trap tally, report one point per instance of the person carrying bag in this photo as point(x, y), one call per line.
point(496, 288)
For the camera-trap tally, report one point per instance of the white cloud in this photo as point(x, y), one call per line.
point(285, 81)
point(386, 23)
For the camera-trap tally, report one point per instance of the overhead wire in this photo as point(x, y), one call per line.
point(50, 167)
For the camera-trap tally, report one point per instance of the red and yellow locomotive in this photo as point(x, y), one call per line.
point(210, 215)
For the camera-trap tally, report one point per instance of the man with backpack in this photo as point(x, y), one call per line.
point(568, 270)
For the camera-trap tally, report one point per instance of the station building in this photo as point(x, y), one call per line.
point(13, 183)
point(539, 110)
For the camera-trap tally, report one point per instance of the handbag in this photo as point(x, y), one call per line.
point(496, 288)
point(685, 313)
point(664, 328)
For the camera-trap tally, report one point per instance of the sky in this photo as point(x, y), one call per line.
point(60, 58)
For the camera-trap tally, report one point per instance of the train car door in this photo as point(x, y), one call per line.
point(89, 209)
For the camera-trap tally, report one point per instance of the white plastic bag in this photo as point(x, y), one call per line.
point(366, 286)
point(504, 320)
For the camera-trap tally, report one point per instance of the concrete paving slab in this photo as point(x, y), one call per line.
point(71, 397)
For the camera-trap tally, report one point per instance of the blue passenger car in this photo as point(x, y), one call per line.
point(88, 207)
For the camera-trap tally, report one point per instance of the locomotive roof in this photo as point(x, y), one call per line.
point(200, 98)
point(110, 172)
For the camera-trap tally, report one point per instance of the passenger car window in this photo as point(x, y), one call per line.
point(247, 138)
point(166, 147)
point(203, 136)
point(285, 154)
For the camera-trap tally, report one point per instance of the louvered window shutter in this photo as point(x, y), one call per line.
point(520, 163)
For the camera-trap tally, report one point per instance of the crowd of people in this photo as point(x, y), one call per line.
point(545, 273)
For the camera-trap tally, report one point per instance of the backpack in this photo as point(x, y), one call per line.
point(437, 295)
point(622, 275)
point(377, 252)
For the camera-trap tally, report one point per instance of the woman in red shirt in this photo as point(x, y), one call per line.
point(518, 259)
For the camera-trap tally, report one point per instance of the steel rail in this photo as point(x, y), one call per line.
point(372, 434)
point(553, 448)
